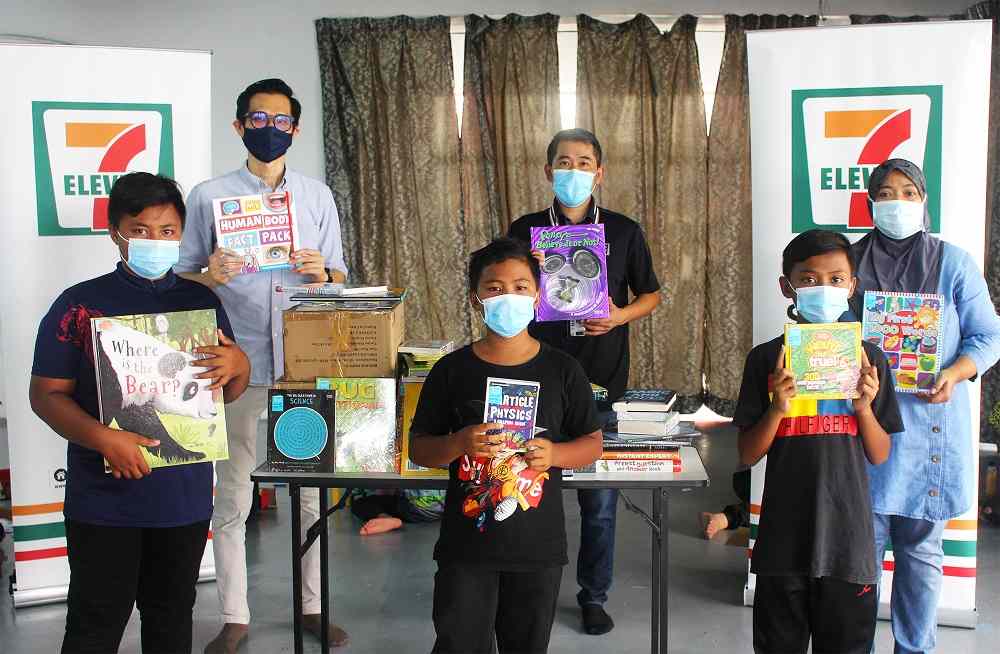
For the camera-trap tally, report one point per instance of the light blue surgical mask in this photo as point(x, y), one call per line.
point(819, 304)
point(509, 314)
point(151, 258)
point(572, 187)
point(898, 219)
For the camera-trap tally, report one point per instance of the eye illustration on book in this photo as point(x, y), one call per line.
point(276, 253)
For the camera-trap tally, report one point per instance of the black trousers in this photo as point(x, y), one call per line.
point(840, 616)
point(114, 568)
point(475, 608)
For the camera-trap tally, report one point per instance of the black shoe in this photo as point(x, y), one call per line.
point(596, 621)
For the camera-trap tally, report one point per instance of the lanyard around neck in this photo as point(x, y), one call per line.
point(555, 223)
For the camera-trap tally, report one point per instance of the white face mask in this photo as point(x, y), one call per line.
point(898, 219)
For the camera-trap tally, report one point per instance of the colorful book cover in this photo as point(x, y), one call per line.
point(365, 438)
point(907, 328)
point(574, 272)
point(410, 392)
point(300, 429)
point(259, 228)
point(825, 359)
point(146, 384)
point(495, 488)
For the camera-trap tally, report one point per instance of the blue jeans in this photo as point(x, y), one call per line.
point(918, 551)
point(595, 563)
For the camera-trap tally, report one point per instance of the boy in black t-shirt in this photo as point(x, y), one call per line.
point(499, 572)
point(134, 536)
point(815, 552)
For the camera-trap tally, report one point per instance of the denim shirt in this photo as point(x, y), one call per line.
point(930, 473)
point(250, 299)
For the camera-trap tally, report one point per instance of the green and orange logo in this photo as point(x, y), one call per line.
point(82, 148)
point(840, 135)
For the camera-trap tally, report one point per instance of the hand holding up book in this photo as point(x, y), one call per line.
point(867, 386)
point(223, 265)
point(226, 362)
point(476, 441)
point(600, 326)
point(309, 263)
point(539, 454)
point(782, 385)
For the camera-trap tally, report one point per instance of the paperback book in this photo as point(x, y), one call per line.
point(495, 488)
point(633, 466)
point(259, 228)
point(365, 437)
point(907, 328)
point(300, 430)
point(410, 395)
point(825, 359)
point(146, 384)
point(574, 272)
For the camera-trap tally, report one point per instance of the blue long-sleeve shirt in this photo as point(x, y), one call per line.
point(930, 473)
point(253, 306)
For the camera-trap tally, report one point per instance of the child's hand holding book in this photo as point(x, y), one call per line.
point(476, 441)
point(539, 454)
point(781, 382)
point(867, 386)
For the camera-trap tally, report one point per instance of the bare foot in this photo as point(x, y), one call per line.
point(380, 526)
point(714, 523)
point(229, 639)
point(337, 637)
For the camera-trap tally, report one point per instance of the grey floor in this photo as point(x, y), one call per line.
point(382, 587)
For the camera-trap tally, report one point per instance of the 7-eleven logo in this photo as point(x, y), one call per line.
point(82, 148)
point(840, 135)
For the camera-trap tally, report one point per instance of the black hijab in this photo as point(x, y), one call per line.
point(909, 265)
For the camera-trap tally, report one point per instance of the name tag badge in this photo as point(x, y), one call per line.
point(576, 328)
point(607, 249)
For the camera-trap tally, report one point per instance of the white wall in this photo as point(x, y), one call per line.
point(254, 39)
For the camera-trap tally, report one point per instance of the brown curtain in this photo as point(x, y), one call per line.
point(990, 422)
point(511, 111)
point(640, 92)
point(392, 160)
point(729, 270)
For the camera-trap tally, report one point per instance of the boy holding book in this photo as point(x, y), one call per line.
point(814, 556)
point(134, 536)
point(500, 561)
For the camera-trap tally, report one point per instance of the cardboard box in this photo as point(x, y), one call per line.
point(341, 343)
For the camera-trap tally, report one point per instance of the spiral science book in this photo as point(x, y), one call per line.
point(825, 359)
point(495, 488)
point(300, 430)
point(146, 384)
point(259, 228)
point(574, 272)
point(907, 328)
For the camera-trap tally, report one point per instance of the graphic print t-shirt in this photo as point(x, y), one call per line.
point(815, 516)
point(532, 535)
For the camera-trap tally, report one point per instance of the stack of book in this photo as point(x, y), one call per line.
point(644, 413)
point(416, 358)
point(638, 456)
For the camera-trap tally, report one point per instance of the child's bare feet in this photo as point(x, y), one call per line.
point(714, 523)
point(380, 525)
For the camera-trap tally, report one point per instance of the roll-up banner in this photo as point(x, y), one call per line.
point(829, 104)
point(76, 118)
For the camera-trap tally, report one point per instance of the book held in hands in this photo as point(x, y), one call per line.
point(574, 272)
point(907, 328)
point(825, 359)
point(146, 384)
point(259, 228)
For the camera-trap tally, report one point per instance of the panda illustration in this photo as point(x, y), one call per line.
point(156, 379)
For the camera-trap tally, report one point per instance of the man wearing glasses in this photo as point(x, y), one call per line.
point(267, 120)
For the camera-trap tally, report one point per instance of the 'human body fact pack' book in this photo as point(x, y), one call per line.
point(907, 328)
point(259, 228)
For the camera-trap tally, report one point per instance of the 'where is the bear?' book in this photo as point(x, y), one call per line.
point(300, 430)
point(147, 385)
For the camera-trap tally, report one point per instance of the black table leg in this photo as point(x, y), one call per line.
point(324, 579)
point(293, 493)
point(654, 617)
point(661, 513)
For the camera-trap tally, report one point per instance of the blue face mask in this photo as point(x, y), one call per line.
point(267, 143)
point(898, 219)
point(819, 304)
point(572, 187)
point(508, 315)
point(150, 258)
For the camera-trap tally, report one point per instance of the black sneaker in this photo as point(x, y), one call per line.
point(596, 621)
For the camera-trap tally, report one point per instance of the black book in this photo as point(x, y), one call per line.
point(300, 430)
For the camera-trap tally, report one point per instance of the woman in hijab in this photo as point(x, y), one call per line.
point(930, 475)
